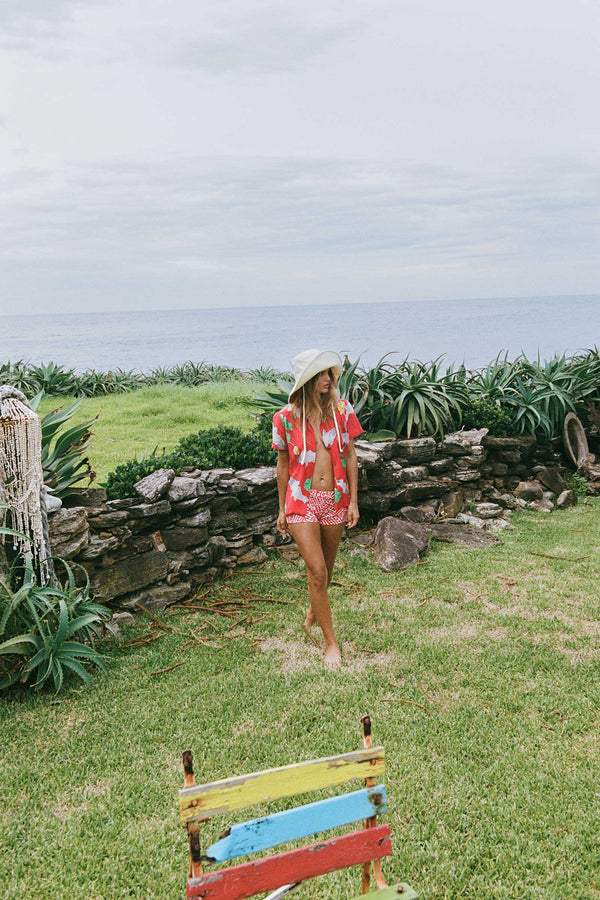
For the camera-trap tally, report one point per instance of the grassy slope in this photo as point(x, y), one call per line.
point(480, 669)
point(136, 423)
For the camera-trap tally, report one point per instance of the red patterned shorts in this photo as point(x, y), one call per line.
point(321, 508)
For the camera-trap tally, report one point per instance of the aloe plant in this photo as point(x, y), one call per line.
point(64, 459)
point(47, 631)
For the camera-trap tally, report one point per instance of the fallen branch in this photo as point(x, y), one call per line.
point(564, 558)
point(162, 671)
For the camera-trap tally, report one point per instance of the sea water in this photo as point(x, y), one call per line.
point(469, 331)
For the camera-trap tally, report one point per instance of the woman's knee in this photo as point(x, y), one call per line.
point(318, 576)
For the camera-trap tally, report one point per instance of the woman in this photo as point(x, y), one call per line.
point(317, 477)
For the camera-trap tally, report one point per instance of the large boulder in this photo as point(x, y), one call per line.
point(465, 535)
point(552, 479)
point(398, 544)
point(529, 490)
point(566, 499)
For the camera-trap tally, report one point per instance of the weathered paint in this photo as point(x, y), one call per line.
point(293, 824)
point(400, 891)
point(206, 800)
point(269, 873)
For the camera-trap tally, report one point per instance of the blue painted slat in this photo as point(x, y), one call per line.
point(292, 824)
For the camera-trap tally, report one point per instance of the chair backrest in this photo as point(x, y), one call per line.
point(199, 803)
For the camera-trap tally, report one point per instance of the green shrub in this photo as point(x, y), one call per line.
point(215, 448)
point(485, 414)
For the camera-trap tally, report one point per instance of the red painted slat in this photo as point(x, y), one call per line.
point(269, 873)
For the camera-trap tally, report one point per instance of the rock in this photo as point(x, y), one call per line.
point(262, 481)
point(130, 574)
point(499, 469)
point(566, 499)
point(465, 535)
point(99, 544)
point(253, 557)
point(522, 443)
point(202, 517)
point(541, 505)
point(213, 476)
point(439, 466)
point(88, 497)
point(182, 538)
point(488, 510)
point(155, 485)
point(552, 479)
point(374, 501)
point(418, 514)
point(69, 532)
point(147, 510)
point(452, 503)
point(123, 618)
point(510, 457)
point(421, 490)
point(499, 525)
point(462, 442)
point(371, 453)
point(467, 519)
point(398, 544)
point(414, 473)
point(465, 474)
point(388, 474)
point(158, 597)
point(185, 488)
point(416, 450)
point(529, 490)
point(104, 521)
point(122, 504)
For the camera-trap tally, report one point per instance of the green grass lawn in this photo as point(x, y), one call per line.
point(481, 672)
point(133, 424)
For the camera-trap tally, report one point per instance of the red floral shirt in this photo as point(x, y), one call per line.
point(287, 434)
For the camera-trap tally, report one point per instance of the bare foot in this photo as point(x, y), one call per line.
point(333, 657)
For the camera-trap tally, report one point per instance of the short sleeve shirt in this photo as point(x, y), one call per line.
point(287, 435)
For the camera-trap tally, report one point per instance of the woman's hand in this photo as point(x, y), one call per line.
point(282, 524)
point(353, 514)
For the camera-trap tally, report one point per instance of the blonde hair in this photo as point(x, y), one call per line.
point(316, 407)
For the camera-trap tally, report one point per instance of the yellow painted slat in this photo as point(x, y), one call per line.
point(206, 800)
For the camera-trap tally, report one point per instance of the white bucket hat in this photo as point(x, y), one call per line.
point(311, 362)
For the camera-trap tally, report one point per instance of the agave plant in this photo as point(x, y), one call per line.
point(52, 379)
point(552, 382)
point(48, 631)
point(494, 381)
point(529, 413)
point(423, 400)
point(64, 459)
point(17, 375)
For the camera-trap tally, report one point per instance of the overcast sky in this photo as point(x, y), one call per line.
point(184, 154)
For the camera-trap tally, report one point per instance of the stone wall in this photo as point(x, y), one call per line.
point(182, 532)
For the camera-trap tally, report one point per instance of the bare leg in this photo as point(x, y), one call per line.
point(308, 538)
point(331, 536)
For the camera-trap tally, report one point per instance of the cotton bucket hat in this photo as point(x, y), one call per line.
point(311, 362)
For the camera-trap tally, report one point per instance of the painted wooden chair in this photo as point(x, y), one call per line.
point(282, 872)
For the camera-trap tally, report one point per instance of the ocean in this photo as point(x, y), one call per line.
point(469, 331)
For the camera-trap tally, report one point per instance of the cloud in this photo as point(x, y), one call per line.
point(278, 229)
point(268, 40)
